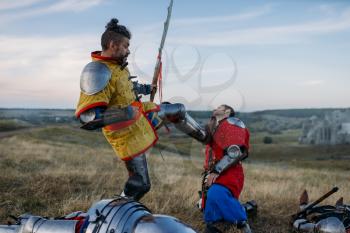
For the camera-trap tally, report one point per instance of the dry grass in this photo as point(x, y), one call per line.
point(56, 171)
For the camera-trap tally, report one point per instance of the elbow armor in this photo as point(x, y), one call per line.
point(233, 156)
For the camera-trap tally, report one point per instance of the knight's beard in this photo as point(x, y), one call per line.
point(125, 58)
point(122, 60)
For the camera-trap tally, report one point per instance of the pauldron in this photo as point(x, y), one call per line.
point(94, 78)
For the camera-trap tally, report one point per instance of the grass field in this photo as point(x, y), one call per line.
point(55, 170)
point(12, 124)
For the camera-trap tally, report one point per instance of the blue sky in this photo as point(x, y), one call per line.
point(253, 55)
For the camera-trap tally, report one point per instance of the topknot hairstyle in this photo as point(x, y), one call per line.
point(114, 32)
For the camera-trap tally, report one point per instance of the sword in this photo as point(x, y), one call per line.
point(313, 204)
point(157, 75)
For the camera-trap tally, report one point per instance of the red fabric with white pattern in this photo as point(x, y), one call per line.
point(225, 135)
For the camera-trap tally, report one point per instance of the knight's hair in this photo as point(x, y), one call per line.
point(114, 32)
point(232, 111)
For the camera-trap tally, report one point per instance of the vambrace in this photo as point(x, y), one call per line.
point(96, 118)
point(176, 114)
point(232, 156)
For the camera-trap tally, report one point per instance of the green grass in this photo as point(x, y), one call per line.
point(287, 136)
point(9, 124)
point(71, 135)
point(56, 170)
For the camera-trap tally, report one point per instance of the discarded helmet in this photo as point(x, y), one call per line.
point(330, 225)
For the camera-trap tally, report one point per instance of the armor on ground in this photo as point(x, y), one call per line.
point(314, 218)
point(106, 216)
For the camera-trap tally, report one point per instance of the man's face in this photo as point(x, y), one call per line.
point(120, 50)
point(221, 112)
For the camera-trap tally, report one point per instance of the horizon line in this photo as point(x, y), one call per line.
point(202, 110)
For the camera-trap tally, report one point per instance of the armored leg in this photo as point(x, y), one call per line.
point(176, 114)
point(210, 228)
point(244, 227)
point(251, 208)
point(138, 183)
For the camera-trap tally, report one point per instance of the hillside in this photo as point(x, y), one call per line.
point(57, 169)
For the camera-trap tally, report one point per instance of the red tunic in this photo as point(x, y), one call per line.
point(227, 134)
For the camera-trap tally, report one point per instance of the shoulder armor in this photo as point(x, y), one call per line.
point(94, 78)
point(235, 121)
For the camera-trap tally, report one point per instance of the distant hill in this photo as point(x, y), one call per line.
point(299, 113)
point(272, 121)
point(39, 116)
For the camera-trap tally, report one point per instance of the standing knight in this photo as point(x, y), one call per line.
point(110, 100)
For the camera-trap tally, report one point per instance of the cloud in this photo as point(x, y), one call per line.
point(284, 34)
point(10, 4)
point(44, 70)
point(248, 15)
point(56, 7)
point(309, 83)
point(71, 5)
point(327, 9)
point(199, 21)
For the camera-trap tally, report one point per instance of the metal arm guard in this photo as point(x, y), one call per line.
point(94, 118)
point(106, 216)
point(233, 156)
point(176, 114)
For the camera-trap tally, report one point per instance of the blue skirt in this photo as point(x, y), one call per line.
point(222, 206)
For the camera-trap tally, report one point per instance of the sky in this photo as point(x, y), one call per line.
point(252, 55)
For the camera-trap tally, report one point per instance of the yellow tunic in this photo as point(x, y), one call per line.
point(131, 140)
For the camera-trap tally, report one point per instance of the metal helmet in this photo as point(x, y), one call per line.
point(330, 225)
